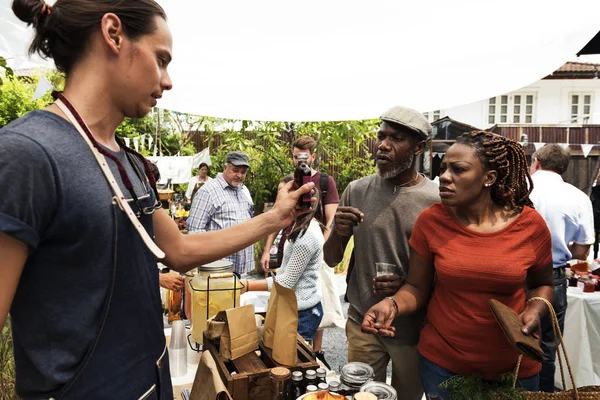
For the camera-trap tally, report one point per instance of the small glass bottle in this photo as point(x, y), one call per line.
point(296, 388)
point(311, 389)
point(322, 386)
point(321, 375)
point(301, 177)
point(279, 380)
point(310, 378)
point(334, 387)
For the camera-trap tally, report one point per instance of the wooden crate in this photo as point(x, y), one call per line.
point(250, 379)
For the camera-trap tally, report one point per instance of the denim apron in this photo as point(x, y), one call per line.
point(128, 359)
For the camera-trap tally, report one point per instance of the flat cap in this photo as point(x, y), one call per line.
point(238, 159)
point(409, 118)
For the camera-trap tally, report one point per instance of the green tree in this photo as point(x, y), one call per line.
point(342, 149)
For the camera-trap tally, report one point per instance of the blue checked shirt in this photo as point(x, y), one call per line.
point(217, 206)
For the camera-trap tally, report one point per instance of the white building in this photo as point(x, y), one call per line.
point(571, 95)
point(563, 108)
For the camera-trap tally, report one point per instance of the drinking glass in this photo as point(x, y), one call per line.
point(383, 269)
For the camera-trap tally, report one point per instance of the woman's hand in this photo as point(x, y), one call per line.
point(264, 261)
point(379, 318)
point(531, 323)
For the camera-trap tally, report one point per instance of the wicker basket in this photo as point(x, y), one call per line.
point(165, 195)
point(582, 393)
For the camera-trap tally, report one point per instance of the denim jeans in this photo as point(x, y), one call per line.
point(433, 375)
point(309, 321)
point(548, 344)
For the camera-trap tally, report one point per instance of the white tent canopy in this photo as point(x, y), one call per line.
point(351, 59)
point(179, 168)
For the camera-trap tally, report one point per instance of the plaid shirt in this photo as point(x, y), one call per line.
point(217, 206)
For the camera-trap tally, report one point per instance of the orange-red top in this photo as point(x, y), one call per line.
point(461, 334)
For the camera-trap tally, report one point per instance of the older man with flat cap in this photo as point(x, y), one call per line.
point(380, 211)
point(224, 202)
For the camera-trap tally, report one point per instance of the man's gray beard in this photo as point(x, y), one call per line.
point(400, 168)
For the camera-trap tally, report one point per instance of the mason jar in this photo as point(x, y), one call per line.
point(381, 390)
point(353, 376)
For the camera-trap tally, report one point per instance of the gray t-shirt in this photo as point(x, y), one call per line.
point(383, 237)
point(57, 201)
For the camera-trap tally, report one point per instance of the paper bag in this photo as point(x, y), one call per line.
point(207, 383)
point(216, 325)
point(239, 335)
point(511, 325)
point(280, 331)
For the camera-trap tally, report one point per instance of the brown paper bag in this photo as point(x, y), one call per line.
point(239, 335)
point(207, 383)
point(282, 336)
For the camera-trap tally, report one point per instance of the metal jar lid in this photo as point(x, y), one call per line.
point(356, 374)
point(217, 266)
point(381, 390)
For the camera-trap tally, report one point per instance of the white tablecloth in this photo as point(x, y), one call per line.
point(582, 338)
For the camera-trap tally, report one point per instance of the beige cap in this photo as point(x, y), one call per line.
point(410, 118)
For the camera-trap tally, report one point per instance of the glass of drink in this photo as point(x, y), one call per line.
point(383, 269)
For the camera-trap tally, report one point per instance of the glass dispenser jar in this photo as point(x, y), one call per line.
point(214, 288)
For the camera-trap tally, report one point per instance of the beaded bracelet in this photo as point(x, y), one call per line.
point(395, 306)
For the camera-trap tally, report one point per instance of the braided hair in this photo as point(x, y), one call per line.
point(513, 184)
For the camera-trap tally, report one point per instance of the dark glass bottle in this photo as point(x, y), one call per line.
point(335, 387)
point(296, 388)
point(302, 176)
point(311, 389)
point(310, 378)
point(321, 374)
point(279, 380)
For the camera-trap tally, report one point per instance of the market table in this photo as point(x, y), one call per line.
point(582, 338)
point(258, 299)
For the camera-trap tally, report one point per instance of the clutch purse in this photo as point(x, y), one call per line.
point(511, 325)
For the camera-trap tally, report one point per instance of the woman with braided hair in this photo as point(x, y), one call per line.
point(80, 225)
point(483, 241)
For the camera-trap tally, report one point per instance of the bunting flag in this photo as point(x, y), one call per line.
point(564, 145)
point(538, 145)
point(136, 143)
point(42, 87)
point(127, 141)
point(586, 148)
point(150, 141)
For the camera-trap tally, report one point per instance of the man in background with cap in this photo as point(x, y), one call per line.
point(224, 202)
point(380, 211)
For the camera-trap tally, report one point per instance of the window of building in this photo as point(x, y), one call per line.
point(433, 116)
point(580, 107)
point(516, 108)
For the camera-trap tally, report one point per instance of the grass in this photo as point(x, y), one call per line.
point(7, 364)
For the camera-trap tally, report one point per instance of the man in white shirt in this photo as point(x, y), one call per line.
point(569, 216)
